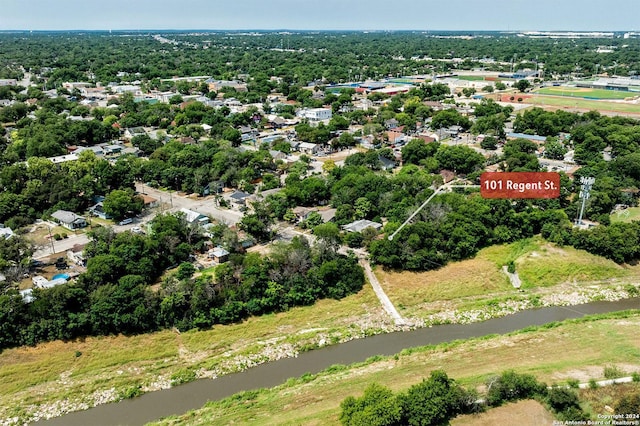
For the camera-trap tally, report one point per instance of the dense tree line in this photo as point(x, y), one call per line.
point(114, 294)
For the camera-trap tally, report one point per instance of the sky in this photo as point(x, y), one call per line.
point(514, 15)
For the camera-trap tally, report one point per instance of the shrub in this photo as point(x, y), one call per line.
point(378, 406)
point(612, 372)
point(511, 386)
point(183, 376)
point(593, 384)
point(573, 383)
point(131, 392)
point(628, 404)
point(561, 399)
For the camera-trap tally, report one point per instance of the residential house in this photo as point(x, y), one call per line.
point(98, 210)
point(194, 218)
point(113, 150)
point(309, 148)
point(5, 232)
point(149, 202)
point(132, 132)
point(63, 158)
point(327, 214)
point(97, 150)
point(361, 225)
point(386, 163)
point(239, 198)
point(391, 123)
point(69, 219)
point(277, 155)
point(302, 213)
point(219, 254)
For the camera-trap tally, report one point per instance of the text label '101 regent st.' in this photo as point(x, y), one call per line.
point(520, 185)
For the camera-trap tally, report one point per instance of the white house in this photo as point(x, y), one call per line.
point(69, 219)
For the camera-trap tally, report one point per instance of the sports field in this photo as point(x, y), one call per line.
point(583, 92)
point(471, 77)
point(582, 104)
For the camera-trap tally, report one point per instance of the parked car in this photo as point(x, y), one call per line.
point(125, 221)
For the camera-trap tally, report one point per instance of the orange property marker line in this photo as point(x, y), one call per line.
point(520, 185)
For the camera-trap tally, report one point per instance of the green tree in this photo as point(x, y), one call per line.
point(522, 85)
point(432, 402)
point(377, 407)
point(120, 204)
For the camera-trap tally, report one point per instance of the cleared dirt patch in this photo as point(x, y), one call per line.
point(522, 413)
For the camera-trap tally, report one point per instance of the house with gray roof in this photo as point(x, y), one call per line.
point(361, 225)
point(69, 219)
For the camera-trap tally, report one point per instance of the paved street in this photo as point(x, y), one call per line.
point(61, 246)
point(205, 205)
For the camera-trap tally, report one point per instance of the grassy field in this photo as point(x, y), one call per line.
point(581, 92)
point(583, 104)
point(626, 215)
point(538, 263)
point(572, 350)
point(471, 77)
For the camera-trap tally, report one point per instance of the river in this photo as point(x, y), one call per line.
point(178, 400)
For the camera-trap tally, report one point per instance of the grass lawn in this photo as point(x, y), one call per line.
point(552, 354)
point(626, 215)
point(581, 92)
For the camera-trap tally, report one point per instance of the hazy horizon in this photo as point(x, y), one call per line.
point(330, 15)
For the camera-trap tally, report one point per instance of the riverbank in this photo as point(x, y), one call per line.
point(573, 350)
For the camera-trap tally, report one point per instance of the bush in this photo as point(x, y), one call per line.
point(636, 376)
point(573, 383)
point(378, 406)
point(511, 386)
point(612, 372)
point(628, 404)
point(131, 392)
point(434, 401)
point(593, 384)
point(183, 376)
point(561, 399)
point(57, 237)
point(511, 267)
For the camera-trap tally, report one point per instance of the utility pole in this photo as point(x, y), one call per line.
point(585, 190)
point(53, 249)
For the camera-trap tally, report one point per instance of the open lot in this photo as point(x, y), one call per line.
point(541, 266)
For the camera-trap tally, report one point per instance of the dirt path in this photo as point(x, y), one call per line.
point(382, 296)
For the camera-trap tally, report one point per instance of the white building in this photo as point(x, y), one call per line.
point(316, 114)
